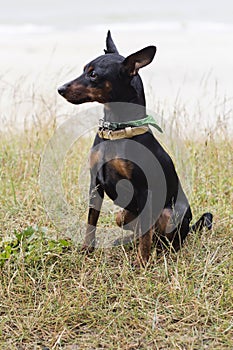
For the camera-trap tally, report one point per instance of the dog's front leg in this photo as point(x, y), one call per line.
point(95, 203)
point(145, 229)
point(144, 248)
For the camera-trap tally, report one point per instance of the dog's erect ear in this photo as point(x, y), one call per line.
point(111, 47)
point(139, 59)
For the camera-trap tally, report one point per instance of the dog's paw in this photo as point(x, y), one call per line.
point(139, 264)
point(87, 249)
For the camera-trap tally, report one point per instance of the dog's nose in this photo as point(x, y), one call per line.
point(61, 90)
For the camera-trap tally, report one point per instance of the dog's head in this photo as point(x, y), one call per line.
point(108, 77)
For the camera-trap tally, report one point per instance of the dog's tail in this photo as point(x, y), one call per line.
point(204, 221)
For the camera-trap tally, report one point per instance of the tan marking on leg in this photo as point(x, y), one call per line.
point(164, 221)
point(94, 158)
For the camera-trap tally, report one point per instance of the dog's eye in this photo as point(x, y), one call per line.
point(93, 75)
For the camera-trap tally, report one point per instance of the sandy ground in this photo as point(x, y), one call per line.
point(191, 69)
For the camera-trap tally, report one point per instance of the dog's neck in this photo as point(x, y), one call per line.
point(123, 112)
point(130, 106)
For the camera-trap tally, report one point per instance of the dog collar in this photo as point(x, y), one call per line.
point(148, 120)
point(126, 133)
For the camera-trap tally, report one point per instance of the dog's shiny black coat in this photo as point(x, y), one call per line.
point(112, 80)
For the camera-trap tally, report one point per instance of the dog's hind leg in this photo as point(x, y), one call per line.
point(184, 229)
point(179, 234)
point(170, 232)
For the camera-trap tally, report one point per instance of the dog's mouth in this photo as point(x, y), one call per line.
point(74, 94)
point(77, 101)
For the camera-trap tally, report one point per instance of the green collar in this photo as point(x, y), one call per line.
point(144, 121)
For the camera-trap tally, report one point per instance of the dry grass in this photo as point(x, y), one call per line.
point(54, 297)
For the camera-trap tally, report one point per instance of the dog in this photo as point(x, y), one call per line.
point(124, 149)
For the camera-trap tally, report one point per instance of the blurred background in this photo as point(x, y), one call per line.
point(46, 43)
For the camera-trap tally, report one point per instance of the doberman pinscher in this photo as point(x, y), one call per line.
point(157, 208)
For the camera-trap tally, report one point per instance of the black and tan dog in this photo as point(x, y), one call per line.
point(114, 81)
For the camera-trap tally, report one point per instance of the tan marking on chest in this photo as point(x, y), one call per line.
point(122, 167)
